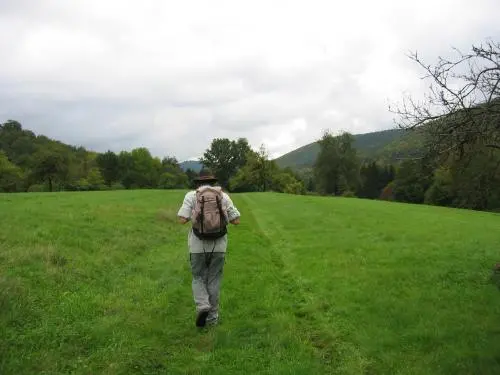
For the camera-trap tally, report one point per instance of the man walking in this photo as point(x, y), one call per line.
point(210, 210)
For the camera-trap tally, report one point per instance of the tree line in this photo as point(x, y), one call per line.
point(35, 163)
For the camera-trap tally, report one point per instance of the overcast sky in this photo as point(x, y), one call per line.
point(172, 75)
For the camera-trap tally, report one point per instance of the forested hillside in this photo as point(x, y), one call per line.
point(387, 145)
point(30, 162)
point(35, 163)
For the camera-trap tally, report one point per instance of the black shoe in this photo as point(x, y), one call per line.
point(201, 318)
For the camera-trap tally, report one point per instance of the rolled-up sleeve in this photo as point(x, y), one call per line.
point(187, 206)
point(232, 211)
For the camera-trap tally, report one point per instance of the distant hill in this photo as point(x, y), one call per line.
point(387, 145)
point(191, 164)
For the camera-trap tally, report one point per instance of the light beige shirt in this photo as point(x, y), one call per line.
point(194, 243)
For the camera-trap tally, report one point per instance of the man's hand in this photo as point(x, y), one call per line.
point(235, 221)
point(183, 220)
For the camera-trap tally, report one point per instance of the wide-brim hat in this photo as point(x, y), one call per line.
point(205, 176)
point(208, 178)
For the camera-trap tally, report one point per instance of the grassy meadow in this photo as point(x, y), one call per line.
point(99, 283)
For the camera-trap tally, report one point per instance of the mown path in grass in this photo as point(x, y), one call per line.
point(99, 283)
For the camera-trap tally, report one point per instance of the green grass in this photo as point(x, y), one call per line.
point(99, 283)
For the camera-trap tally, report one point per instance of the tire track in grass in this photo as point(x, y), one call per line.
point(338, 355)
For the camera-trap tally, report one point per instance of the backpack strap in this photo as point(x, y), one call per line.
point(208, 259)
point(202, 212)
point(221, 214)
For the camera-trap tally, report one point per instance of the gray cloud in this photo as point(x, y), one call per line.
point(122, 74)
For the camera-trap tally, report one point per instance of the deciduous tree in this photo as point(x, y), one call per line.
point(225, 157)
point(51, 166)
point(461, 111)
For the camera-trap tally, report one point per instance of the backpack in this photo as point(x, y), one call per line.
point(209, 216)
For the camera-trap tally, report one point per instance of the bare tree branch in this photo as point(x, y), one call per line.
point(462, 106)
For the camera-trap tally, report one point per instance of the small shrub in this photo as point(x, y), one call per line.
point(82, 185)
point(296, 187)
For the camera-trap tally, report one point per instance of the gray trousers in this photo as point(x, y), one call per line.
point(207, 281)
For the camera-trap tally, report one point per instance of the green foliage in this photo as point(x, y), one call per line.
point(57, 166)
point(470, 181)
point(93, 181)
point(19, 145)
point(225, 157)
point(373, 178)
point(51, 166)
point(109, 166)
point(441, 192)
point(476, 180)
point(95, 178)
point(11, 176)
point(281, 180)
point(240, 149)
point(173, 181)
point(261, 174)
point(256, 174)
point(145, 169)
point(265, 169)
point(411, 182)
point(296, 187)
point(313, 285)
point(138, 169)
point(245, 179)
point(286, 182)
point(326, 166)
point(336, 168)
point(167, 181)
point(172, 176)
